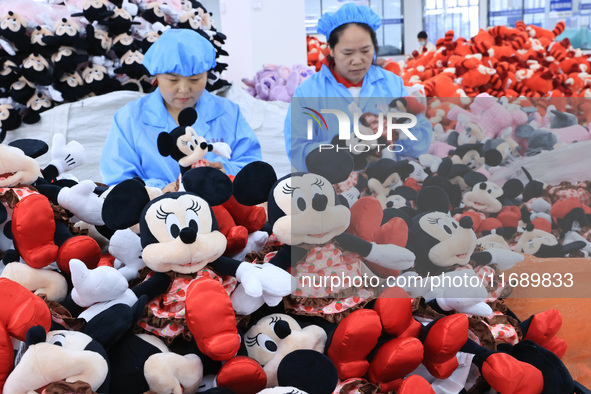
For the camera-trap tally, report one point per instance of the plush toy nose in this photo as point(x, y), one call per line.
point(466, 222)
point(319, 202)
point(282, 329)
point(188, 235)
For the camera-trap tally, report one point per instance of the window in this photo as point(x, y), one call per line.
point(461, 16)
point(390, 34)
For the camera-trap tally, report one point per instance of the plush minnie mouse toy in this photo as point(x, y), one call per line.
point(180, 237)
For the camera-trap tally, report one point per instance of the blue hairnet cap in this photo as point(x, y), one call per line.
point(180, 51)
point(348, 13)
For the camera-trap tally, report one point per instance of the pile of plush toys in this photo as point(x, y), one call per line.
point(199, 288)
point(526, 60)
point(66, 51)
point(275, 82)
point(317, 51)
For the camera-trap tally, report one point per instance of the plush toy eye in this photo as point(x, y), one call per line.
point(445, 227)
point(454, 224)
point(191, 147)
point(266, 343)
point(58, 340)
point(173, 225)
point(192, 219)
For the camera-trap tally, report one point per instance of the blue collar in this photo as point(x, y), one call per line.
point(157, 114)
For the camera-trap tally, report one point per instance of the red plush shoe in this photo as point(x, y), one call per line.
point(394, 360)
point(557, 346)
point(211, 319)
point(355, 336)
point(415, 384)
point(236, 238)
point(395, 309)
point(445, 338)
point(80, 247)
point(33, 229)
point(508, 375)
point(544, 326)
point(243, 375)
point(253, 218)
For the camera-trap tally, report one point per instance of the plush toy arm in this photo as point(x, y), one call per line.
point(83, 202)
point(261, 279)
point(387, 256)
point(286, 255)
point(65, 157)
point(468, 297)
point(504, 259)
point(222, 149)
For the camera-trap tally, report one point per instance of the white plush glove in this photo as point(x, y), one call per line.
point(97, 285)
point(244, 304)
point(391, 256)
point(265, 280)
point(82, 202)
point(66, 157)
point(126, 247)
point(222, 149)
point(430, 161)
point(465, 296)
point(503, 258)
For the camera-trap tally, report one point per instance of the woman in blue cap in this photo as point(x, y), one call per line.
point(349, 73)
point(180, 60)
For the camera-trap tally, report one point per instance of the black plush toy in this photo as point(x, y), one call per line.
point(95, 10)
point(43, 41)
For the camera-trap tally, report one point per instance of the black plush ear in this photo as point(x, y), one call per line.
point(336, 166)
point(533, 188)
point(124, 204)
point(165, 143)
point(253, 183)
point(3, 213)
point(309, 371)
point(445, 167)
point(432, 198)
point(32, 147)
point(187, 117)
point(408, 193)
point(493, 157)
point(452, 138)
point(35, 334)
point(512, 188)
point(474, 177)
point(209, 183)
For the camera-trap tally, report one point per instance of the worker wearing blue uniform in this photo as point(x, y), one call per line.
point(348, 76)
point(180, 59)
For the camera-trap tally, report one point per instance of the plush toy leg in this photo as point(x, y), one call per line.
point(243, 375)
point(503, 372)
point(79, 247)
point(211, 319)
point(253, 218)
point(394, 360)
point(443, 339)
point(237, 236)
point(557, 379)
point(355, 336)
point(20, 311)
point(33, 229)
point(395, 309)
